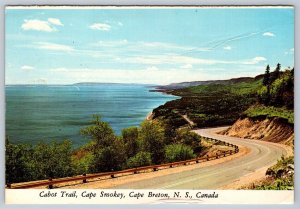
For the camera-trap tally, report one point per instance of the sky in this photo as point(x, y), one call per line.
point(149, 46)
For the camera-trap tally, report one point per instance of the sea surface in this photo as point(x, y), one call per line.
point(56, 112)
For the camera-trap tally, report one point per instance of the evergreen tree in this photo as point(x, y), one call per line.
point(266, 80)
point(276, 73)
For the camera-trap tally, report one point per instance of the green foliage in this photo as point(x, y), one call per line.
point(130, 138)
point(275, 74)
point(16, 159)
point(110, 158)
point(152, 138)
point(281, 176)
point(108, 150)
point(270, 112)
point(279, 91)
point(140, 159)
point(101, 132)
point(247, 89)
point(55, 158)
point(222, 104)
point(178, 152)
point(266, 79)
point(185, 136)
point(264, 94)
point(209, 105)
point(83, 164)
point(26, 163)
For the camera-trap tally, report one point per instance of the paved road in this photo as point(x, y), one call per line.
point(215, 176)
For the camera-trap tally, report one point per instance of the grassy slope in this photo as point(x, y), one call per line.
point(269, 112)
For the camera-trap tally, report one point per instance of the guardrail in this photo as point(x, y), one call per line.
point(50, 182)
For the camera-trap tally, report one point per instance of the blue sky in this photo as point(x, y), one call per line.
point(156, 46)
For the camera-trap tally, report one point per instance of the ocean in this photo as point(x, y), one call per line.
point(46, 113)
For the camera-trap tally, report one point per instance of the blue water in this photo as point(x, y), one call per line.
point(47, 113)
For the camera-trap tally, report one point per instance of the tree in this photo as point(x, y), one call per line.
point(275, 74)
point(51, 160)
point(108, 151)
point(262, 95)
point(42, 161)
point(178, 152)
point(282, 90)
point(140, 159)
point(266, 79)
point(185, 136)
point(100, 132)
point(152, 139)
point(108, 158)
point(130, 138)
point(16, 158)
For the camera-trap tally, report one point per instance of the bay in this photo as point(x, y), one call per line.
point(37, 113)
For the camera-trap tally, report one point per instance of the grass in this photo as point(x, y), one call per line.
point(270, 112)
point(246, 88)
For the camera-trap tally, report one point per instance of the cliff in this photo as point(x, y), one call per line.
point(266, 129)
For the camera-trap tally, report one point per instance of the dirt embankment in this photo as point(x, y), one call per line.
point(269, 129)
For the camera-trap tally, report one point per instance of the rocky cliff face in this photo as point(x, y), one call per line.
point(269, 129)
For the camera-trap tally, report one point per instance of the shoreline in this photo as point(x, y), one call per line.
point(150, 116)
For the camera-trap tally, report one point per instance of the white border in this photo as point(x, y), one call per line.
point(15, 7)
point(32, 196)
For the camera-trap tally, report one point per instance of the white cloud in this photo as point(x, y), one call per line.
point(187, 66)
point(100, 26)
point(55, 21)
point(227, 47)
point(41, 25)
point(27, 68)
point(38, 25)
point(120, 23)
point(292, 50)
point(270, 34)
point(53, 46)
point(254, 61)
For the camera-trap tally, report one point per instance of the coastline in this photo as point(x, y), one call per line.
point(150, 116)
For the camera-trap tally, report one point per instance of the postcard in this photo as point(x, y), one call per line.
point(123, 104)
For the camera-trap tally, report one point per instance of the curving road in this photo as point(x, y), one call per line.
point(261, 154)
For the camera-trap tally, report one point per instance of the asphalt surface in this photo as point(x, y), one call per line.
point(261, 154)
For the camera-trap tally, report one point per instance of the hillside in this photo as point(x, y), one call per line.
point(209, 105)
point(266, 96)
point(181, 85)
